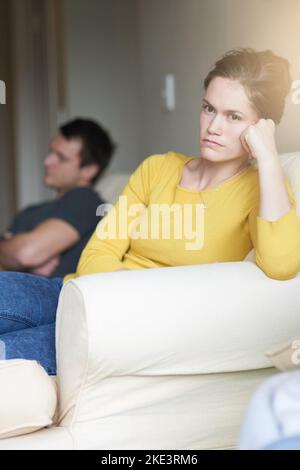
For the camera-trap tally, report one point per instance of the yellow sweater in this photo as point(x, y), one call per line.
point(226, 229)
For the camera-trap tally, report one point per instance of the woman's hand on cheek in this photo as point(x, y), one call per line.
point(259, 140)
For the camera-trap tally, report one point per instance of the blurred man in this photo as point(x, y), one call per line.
point(47, 239)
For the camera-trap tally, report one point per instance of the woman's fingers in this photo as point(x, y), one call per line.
point(245, 143)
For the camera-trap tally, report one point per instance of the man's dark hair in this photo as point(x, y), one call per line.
point(97, 146)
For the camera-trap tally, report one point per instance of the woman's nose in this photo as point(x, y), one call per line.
point(215, 126)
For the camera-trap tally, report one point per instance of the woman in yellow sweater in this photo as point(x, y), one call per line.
point(179, 210)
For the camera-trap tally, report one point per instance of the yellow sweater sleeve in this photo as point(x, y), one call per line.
point(277, 243)
point(106, 254)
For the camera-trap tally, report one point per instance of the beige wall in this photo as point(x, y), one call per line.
point(185, 38)
point(7, 192)
point(102, 70)
point(116, 55)
point(30, 62)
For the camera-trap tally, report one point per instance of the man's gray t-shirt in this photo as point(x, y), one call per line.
point(78, 208)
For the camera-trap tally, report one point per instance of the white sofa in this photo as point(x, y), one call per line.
point(165, 358)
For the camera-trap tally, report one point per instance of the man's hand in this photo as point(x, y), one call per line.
point(47, 268)
point(32, 250)
point(259, 140)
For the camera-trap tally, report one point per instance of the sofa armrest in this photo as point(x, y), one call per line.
point(198, 319)
point(54, 438)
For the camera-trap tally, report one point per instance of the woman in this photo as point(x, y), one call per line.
point(244, 206)
point(221, 202)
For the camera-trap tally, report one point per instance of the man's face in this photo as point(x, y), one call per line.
point(62, 165)
point(226, 113)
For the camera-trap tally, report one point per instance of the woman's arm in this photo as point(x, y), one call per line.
point(111, 240)
point(274, 198)
point(275, 226)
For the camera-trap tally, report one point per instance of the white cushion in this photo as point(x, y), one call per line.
point(27, 397)
point(111, 186)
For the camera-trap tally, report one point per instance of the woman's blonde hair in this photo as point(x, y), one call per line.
point(265, 76)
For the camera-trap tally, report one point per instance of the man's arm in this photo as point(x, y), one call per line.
point(32, 249)
point(46, 269)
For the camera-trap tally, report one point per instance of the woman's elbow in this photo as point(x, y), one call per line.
point(279, 272)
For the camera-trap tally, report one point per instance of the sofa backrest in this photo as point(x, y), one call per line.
point(291, 165)
point(111, 186)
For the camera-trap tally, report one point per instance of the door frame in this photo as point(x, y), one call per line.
point(38, 91)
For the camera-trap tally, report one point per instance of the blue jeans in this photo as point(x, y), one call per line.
point(290, 443)
point(272, 420)
point(28, 306)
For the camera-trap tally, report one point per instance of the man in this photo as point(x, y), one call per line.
point(47, 239)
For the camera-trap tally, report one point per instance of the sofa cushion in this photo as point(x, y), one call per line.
point(111, 186)
point(28, 397)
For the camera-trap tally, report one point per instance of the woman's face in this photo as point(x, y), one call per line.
point(226, 113)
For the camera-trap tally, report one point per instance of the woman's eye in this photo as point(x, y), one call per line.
point(208, 108)
point(235, 117)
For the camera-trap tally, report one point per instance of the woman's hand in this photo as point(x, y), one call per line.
point(259, 140)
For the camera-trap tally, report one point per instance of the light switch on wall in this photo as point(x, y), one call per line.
point(168, 92)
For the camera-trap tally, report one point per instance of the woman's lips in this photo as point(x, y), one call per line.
point(211, 143)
